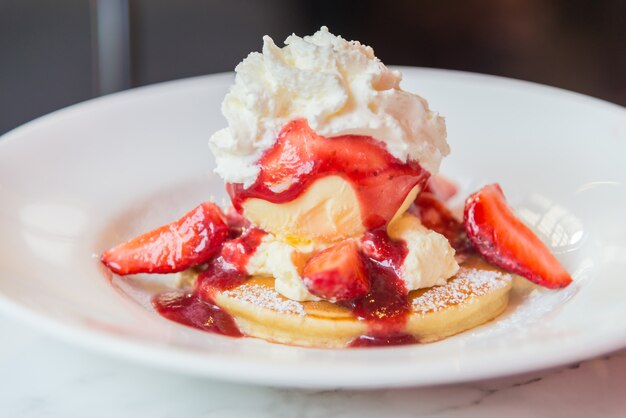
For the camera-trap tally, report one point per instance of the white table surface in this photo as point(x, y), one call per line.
point(41, 377)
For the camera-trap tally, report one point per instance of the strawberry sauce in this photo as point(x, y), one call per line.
point(238, 251)
point(300, 156)
point(386, 307)
point(188, 309)
point(434, 214)
point(370, 341)
point(197, 309)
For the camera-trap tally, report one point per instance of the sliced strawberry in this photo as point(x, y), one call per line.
point(192, 240)
point(442, 187)
point(506, 242)
point(299, 151)
point(434, 215)
point(337, 273)
point(290, 157)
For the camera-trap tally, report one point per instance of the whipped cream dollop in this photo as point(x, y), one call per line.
point(429, 260)
point(339, 86)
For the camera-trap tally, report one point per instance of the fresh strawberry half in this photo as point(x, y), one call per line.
point(505, 241)
point(337, 273)
point(442, 187)
point(435, 215)
point(192, 240)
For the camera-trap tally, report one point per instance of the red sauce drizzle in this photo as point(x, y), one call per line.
point(300, 156)
point(237, 224)
point(435, 215)
point(386, 306)
point(381, 249)
point(218, 276)
point(238, 251)
point(197, 309)
point(188, 309)
point(369, 341)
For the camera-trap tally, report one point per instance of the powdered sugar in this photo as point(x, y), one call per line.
point(267, 298)
point(468, 283)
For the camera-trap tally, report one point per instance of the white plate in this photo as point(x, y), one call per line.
point(81, 179)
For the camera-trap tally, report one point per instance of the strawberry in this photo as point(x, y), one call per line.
point(505, 241)
point(442, 187)
point(299, 151)
point(434, 215)
point(237, 252)
point(192, 240)
point(337, 273)
point(289, 160)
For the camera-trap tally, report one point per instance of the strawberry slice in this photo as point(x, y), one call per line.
point(289, 160)
point(435, 215)
point(337, 273)
point(442, 187)
point(505, 241)
point(299, 152)
point(192, 240)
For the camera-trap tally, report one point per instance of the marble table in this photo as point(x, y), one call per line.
point(41, 377)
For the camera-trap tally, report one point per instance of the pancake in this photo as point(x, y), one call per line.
point(478, 293)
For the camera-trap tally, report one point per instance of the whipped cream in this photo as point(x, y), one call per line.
point(284, 262)
point(339, 86)
point(429, 260)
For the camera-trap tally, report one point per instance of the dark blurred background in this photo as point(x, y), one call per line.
point(56, 53)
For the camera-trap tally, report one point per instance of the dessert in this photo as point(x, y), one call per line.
point(339, 233)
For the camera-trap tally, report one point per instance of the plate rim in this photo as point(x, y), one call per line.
point(186, 362)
